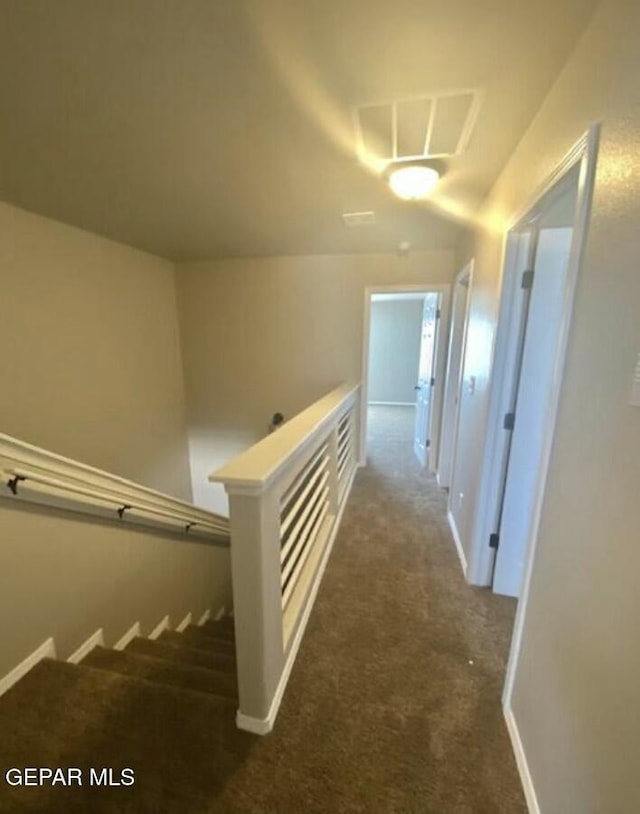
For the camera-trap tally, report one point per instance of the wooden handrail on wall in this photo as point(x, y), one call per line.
point(34, 475)
point(286, 497)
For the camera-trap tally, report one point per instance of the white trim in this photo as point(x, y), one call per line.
point(521, 761)
point(425, 288)
point(133, 632)
point(86, 647)
point(456, 539)
point(258, 726)
point(185, 623)
point(257, 468)
point(262, 726)
point(205, 617)
point(163, 624)
point(47, 650)
point(586, 153)
point(391, 403)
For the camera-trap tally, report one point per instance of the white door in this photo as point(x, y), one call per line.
point(425, 385)
point(536, 382)
point(453, 378)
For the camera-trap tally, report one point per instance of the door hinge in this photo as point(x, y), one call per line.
point(438, 314)
point(428, 444)
point(494, 540)
point(509, 421)
point(433, 381)
point(527, 279)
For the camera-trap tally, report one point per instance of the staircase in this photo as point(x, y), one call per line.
point(199, 658)
point(164, 709)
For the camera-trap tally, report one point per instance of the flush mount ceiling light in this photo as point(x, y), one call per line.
point(412, 180)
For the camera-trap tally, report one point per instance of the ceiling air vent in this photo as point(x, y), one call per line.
point(358, 218)
point(429, 126)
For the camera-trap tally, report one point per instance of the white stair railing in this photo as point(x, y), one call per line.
point(29, 474)
point(286, 496)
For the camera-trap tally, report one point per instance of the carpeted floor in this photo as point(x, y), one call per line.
point(393, 706)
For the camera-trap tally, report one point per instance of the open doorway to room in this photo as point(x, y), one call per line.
point(543, 254)
point(403, 357)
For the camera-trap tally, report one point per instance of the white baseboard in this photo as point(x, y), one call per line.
point(458, 542)
point(521, 761)
point(205, 617)
point(257, 726)
point(46, 650)
point(132, 633)
point(163, 624)
point(391, 404)
point(262, 726)
point(185, 623)
point(85, 648)
point(221, 612)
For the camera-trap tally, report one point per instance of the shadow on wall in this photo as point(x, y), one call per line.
point(209, 449)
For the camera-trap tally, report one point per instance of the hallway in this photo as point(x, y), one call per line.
point(383, 713)
point(393, 706)
point(389, 647)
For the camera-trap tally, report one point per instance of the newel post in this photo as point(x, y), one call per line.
point(257, 600)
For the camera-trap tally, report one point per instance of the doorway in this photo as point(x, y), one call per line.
point(403, 358)
point(542, 260)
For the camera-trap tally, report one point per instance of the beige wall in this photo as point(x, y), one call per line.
point(576, 688)
point(90, 368)
point(65, 578)
point(394, 350)
point(266, 335)
point(90, 365)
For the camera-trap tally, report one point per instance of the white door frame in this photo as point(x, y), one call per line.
point(436, 407)
point(583, 155)
point(456, 387)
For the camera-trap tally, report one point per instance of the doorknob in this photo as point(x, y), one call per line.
point(417, 387)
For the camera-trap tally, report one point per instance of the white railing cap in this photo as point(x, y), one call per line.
point(255, 469)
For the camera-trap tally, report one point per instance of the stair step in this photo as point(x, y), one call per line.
point(217, 630)
point(194, 637)
point(62, 714)
point(183, 653)
point(162, 671)
point(212, 633)
point(225, 621)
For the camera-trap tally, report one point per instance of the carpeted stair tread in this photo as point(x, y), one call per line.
point(211, 633)
point(162, 671)
point(217, 630)
point(193, 637)
point(63, 715)
point(183, 653)
point(225, 622)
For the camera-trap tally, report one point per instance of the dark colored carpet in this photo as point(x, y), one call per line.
point(393, 706)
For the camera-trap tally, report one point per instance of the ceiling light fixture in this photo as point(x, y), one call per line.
point(412, 180)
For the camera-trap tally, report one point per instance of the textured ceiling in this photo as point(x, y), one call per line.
point(199, 129)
